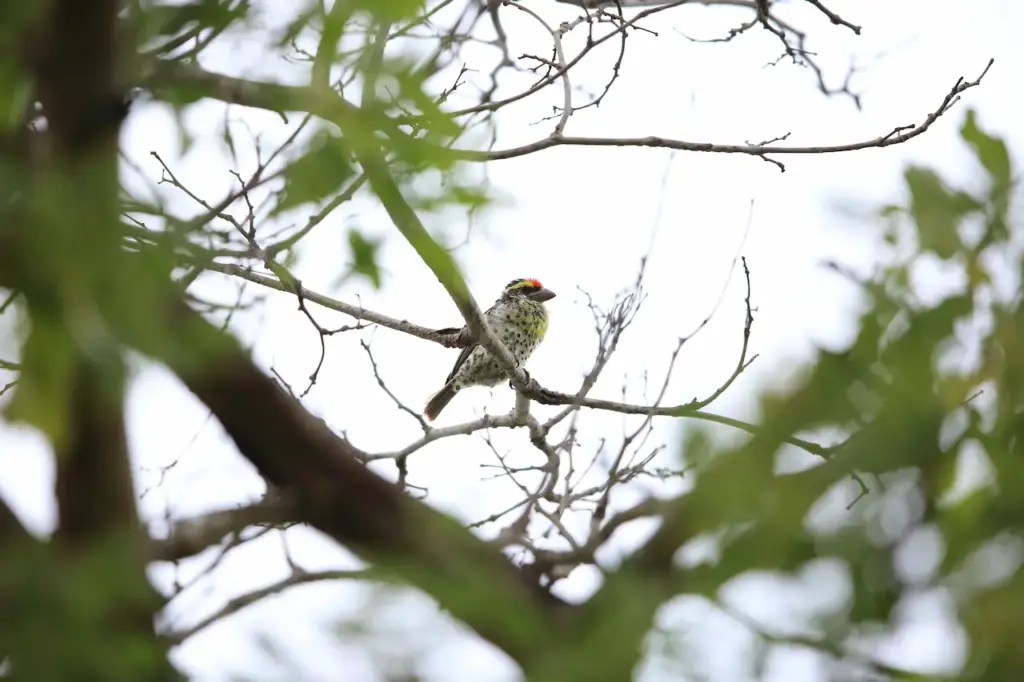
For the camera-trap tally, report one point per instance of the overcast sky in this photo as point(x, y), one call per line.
point(576, 218)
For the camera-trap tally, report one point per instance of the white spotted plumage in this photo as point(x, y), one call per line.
point(519, 320)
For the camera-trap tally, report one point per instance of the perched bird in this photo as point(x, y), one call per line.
point(519, 320)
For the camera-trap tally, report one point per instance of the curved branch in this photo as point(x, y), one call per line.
point(331, 107)
point(189, 537)
point(238, 603)
point(689, 410)
point(486, 422)
point(898, 135)
point(449, 338)
point(562, 69)
point(455, 338)
point(560, 64)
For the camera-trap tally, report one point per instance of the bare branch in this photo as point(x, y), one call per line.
point(687, 410)
point(330, 107)
point(236, 604)
point(610, 327)
point(822, 644)
point(415, 414)
point(449, 338)
point(560, 64)
point(189, 537)
point(833, 17)
point(546, 560)
point(464, 429)
point(898, 135)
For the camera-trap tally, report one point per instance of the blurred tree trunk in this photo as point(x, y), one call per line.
point(85, 609)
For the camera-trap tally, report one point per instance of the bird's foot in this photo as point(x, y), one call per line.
point(529, 380)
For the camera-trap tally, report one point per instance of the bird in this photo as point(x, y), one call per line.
point(519, 320)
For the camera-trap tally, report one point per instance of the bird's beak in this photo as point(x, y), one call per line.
point(542, 295)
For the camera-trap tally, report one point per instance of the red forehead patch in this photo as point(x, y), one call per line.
point(536, 283)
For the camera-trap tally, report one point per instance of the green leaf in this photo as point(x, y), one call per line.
point(15, 88)
point(316, 175)
point(174, 19)
point(14, 94)
point(296, 26)
point(990, 151)
point(390, 10)
point(229, 139)
point(365, 256)
point(937, 212)
point(995, 159)
point(44, 385)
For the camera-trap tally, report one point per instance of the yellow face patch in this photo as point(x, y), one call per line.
point(525, 284)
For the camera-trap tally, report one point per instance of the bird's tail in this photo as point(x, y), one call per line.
point(439, 401)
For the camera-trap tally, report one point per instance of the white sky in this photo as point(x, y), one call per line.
point(575, 217)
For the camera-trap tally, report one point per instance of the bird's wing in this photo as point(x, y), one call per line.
point(460, 361)
point(489, 316)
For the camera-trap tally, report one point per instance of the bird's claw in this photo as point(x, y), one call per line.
point(529, 380)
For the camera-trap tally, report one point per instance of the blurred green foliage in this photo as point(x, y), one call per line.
point(364, 256)
point(78, 620)
point(930, 392)
point(91, 287)
point(319, 173)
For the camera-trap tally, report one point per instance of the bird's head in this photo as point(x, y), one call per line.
point(528, 288)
